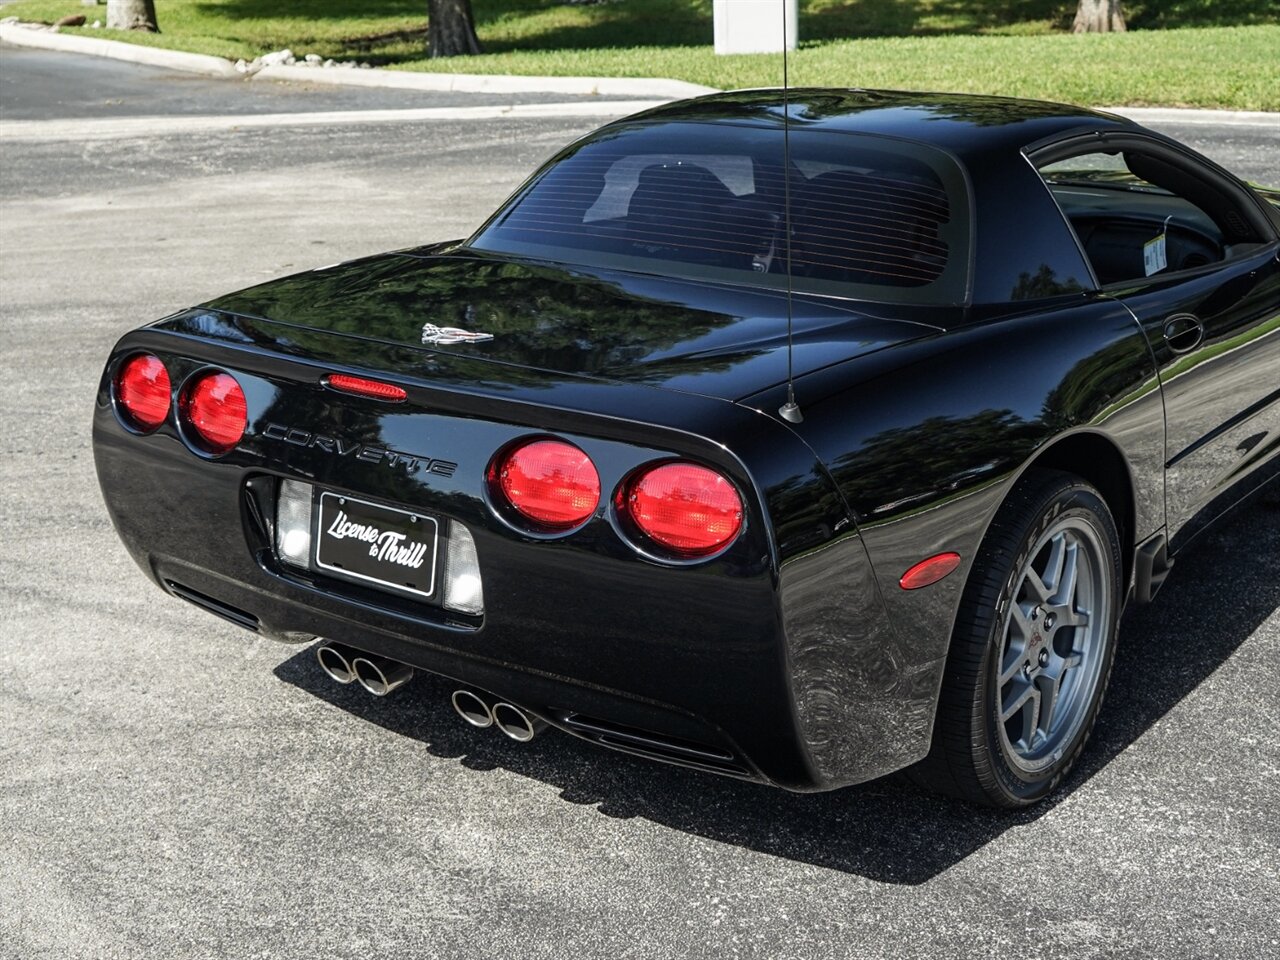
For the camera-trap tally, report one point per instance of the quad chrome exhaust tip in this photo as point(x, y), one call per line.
point(473, 707)
point(516, 723)
point(378, 675)
point(335, 660)
point(481, 710)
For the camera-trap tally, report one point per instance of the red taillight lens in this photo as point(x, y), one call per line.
point(550, 482)
point(690, 510)
point(214, 408)
point(142, 391)
point(362, 387)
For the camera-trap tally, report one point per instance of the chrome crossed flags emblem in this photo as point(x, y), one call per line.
point(433, 334)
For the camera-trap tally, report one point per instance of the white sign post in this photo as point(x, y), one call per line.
point(754, 26)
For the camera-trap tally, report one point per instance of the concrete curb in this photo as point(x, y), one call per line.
point(199, 63)
point(489, 83)
point(652, 88)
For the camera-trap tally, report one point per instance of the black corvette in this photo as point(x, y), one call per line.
point(800, 458)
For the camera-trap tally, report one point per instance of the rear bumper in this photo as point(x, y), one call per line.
point(772, 662)
point(616, 718)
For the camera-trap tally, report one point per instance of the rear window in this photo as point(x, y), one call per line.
point(871, 217)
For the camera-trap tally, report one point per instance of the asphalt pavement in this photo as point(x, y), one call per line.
point(173, 787)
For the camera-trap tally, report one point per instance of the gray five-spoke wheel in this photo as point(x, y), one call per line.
point(1054, 645)
point(1032, 646)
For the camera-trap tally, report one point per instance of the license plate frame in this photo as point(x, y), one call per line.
point(356, 539)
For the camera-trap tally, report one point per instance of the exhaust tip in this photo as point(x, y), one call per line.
point(335, 662)
point(515, 723)
point(472, 708)
point(381, 676)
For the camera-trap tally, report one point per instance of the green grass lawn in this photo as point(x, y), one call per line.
point(1223, 53)
point(1232, 67)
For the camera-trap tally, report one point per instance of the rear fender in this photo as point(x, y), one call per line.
point(925, 441)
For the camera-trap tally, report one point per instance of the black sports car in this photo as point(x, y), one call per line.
point(795, 443)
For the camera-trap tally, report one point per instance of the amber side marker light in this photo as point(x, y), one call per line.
point(361, 387)
point(928, 572)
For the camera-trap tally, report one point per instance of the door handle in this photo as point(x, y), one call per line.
point(1183, 332)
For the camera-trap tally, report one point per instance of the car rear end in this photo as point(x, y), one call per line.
point(256, 471)
point(543, 480)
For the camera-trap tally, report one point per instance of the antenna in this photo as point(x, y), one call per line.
point(789, 411)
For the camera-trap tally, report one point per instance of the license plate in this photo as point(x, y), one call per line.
point(368, 542)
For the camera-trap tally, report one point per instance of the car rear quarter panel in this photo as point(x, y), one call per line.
point(924, 442)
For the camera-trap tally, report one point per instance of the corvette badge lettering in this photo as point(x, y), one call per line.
point(413, 462)
point(441, 335)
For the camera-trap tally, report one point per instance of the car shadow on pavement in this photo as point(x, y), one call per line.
point(887, 830)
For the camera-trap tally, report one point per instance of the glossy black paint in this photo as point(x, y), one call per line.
point(1222, 395)
point(793, 656)
point(717, 340)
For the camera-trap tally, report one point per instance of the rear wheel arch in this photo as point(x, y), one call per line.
point(1096, 459)
point(965, 758)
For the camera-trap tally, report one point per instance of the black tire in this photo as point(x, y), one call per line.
point(973, 754)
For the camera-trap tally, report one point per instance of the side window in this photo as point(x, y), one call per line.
point(1137, 215)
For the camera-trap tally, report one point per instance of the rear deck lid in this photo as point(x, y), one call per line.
point(720, 340)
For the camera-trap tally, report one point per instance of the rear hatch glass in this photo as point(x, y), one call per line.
point(871, 217)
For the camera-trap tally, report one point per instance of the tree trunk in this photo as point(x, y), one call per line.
point(1099, 16)
point(132, 15)
point(451, 30)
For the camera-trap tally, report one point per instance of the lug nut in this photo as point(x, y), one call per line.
point(1044, 657)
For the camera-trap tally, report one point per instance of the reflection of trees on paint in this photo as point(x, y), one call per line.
point(806, 510)
point(539, 317)
point(906, 467)
point(1117, 372)
point(1043, 283)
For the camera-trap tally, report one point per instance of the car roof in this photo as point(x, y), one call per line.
point(968, 125)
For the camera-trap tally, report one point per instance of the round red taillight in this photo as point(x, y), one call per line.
point(142, 391)
point(214, 409)
point(550, 482)
point(689, 510)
